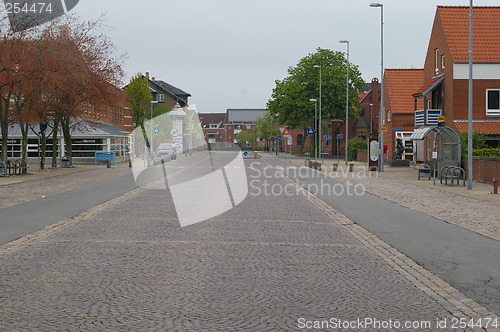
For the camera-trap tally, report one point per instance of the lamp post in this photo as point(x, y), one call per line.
point(320, 116)
point(315, 129)
point(382, 114)
point(469, 135)
point(346, 104)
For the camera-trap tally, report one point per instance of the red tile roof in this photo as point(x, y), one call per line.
point(400, 85)
point(486, 25)
point(483, 127)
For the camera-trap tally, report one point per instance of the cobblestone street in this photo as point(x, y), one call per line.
point(263, 266)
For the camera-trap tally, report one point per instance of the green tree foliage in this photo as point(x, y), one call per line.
point(290, 97)
point(139, 96)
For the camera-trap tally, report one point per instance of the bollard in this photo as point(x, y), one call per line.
point(351, 167)
point(495, 185)
point(334, 167)
point(108, 163)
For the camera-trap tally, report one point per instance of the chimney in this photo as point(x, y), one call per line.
point(147, 75)
point(154, 79)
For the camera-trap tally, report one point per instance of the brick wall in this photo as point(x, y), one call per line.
point(484, 169)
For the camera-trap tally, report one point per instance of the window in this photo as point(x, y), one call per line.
point(436, 58)
point(238, 127)
point(160, 98)
point(388, 116)
point(300, 139)
point(214, 126)
point(493, 102)
point(362, 134)
point(442, 62)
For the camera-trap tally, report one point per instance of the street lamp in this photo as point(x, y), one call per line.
point(382, 111)
point(469, 112)
point(315, 131)
point(320, 137)
point(346, 104)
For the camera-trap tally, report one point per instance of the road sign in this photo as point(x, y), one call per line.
point(272, 138)
point(289, 141)
point(279, 138)
point(327, 137)
point(156, 130)
point(340, 136)
point(383, 128)
point(261, 139)
point(245, 153)
point(310, 130)
point(286, 132)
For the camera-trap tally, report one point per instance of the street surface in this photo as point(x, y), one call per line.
point(276, 262)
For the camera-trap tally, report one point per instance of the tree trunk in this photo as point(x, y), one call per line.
point(4, 127)
point(24, 141)
point(55, 143)
point(67, 137)
point(43, 149)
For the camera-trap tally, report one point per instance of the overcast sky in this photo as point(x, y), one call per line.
point(228, 53)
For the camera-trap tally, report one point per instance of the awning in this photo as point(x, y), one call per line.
point(420, 133)
point(429, 86)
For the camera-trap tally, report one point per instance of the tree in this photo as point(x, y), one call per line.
point(290, 97)
point(139, 96)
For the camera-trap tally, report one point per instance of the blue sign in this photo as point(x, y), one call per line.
point(279, 138)
point(245, 153)
point(156, 130)
point(272, 138)
point(310, 130)
point(327, 137)
point(340, 136)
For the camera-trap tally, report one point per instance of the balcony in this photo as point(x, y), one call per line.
point(427, 117)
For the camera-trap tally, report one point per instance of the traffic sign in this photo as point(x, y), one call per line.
point(383, 128)
point(310, 130)
point(245, 153)
point(279, 138)
point(340, 136)
point(272, 138)
point(156, 130)
point(327, 137)
point(286, 132)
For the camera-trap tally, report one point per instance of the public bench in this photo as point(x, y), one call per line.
point(103, 156)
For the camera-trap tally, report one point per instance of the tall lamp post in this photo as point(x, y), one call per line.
point(346, 104)
point(382, 111)
point(315, 129)
point(469, 136)
point(319, 129)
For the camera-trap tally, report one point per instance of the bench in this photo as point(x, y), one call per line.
point(104, 155)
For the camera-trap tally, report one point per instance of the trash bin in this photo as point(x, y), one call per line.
point(255, 154)
point(65, 161)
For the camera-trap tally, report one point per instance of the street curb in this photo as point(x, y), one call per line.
point(451, 299)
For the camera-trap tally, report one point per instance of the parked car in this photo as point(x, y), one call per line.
point(168, 150)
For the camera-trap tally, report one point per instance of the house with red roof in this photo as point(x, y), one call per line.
point(444, 90)
point(400, 109)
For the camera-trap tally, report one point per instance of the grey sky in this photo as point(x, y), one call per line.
point(228, 53)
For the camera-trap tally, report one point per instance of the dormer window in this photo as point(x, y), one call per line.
point(214, 126)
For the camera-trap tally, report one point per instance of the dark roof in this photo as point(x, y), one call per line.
point(207, 119)
point(170, 88)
